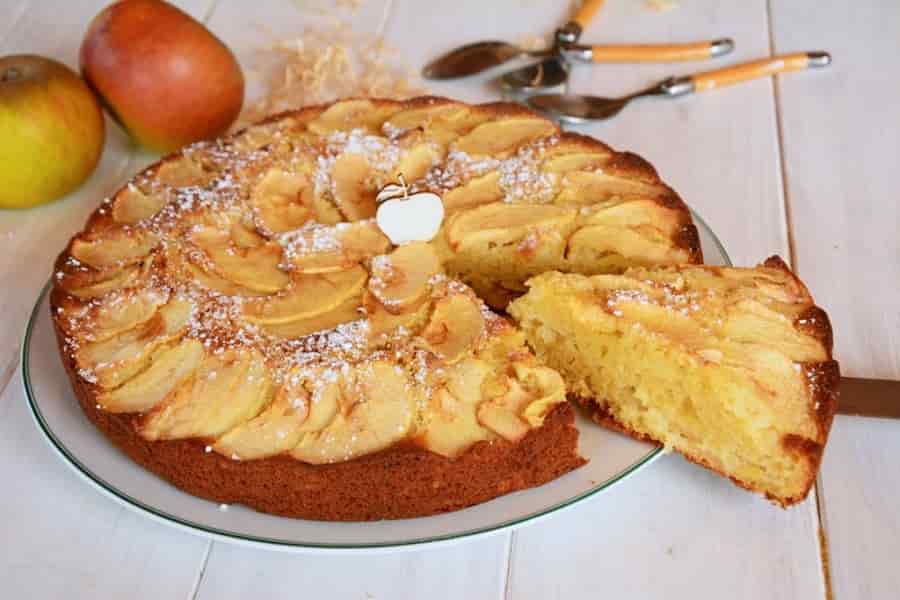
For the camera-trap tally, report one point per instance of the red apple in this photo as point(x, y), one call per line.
point(164, 77)
point(51, 130)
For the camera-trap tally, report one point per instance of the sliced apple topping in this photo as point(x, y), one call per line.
point(118, 359)
point(263, 135)
point(354, 190)
point(421, 117)
point(504, 136)
point(600, 244)
point(576, 161)
point(586, 188)
point(182, 171)
point(453, 426)
point(325, 249)
point(401, 279)
point(442, 122)
point(630, 212)
point(118, 313)
point(501, 224)
point(352, 114)
point(89, 283)
point(131, 205)
point(169, 366)
point(308, 296)
point(244, 235)
point(528, 397)
point(346, 312)
point(377, 411)
point(501, 415)
point(456, 325)
point(545, 384)
point(307, 402)
point(278, 201)
point(227, 389)
point(383, 323)
point(116, 248)
point(213, 282)
point(326, 211)
point(416, 160)
point(476, 192)
point(255, 268)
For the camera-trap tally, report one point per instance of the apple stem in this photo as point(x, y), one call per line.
point(403, 185)
point(11, 74)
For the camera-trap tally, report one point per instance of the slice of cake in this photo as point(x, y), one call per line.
point(731, 367)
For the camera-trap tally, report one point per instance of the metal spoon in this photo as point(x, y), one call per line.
point(478, 57)
point(581, 109)
point(554, 70)
point(475, 58)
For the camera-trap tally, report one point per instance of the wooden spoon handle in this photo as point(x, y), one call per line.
point(756, 69)
point(586, 12)
point(660, 52)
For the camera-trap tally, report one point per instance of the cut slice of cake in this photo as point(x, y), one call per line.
point(731, 367)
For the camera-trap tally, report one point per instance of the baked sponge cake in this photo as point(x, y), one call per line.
point(236, 322)
point(731, 367)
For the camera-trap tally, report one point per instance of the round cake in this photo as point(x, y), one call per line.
point(236, 321)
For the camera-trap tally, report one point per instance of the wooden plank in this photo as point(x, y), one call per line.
point(676, 530)
point(671, 531)
point(841, 136)
point(12, 12)
point(452, 572)
point(61, 538)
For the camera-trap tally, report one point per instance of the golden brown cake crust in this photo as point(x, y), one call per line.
point(401, 482)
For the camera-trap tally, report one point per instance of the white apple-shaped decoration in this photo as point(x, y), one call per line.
point(405, 217)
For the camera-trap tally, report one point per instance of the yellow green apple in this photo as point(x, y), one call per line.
point(51, 131)
point(162, 75)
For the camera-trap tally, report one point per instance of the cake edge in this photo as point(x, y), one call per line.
point(403, 481)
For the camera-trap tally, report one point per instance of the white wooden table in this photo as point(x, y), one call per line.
point(805, 166)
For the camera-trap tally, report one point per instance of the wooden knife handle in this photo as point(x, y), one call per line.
point(869, 398)
point(660, 52)
point(785, 63)
point(586, 12)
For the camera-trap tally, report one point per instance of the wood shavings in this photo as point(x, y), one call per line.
point(662, 5)
point(325, 7)
point(534, 42)
point(327, 64)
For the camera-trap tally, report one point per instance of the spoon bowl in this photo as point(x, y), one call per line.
point(543, 76)
point(475, 58)
point(576, 109)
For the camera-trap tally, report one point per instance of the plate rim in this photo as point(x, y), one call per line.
point(110, 491)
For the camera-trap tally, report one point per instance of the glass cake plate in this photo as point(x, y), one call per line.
point(613, 457)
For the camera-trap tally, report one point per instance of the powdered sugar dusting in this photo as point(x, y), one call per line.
point(206, 226)
point(521, 178)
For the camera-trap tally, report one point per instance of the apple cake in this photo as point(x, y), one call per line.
point(731, 367)
point(235, 321)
